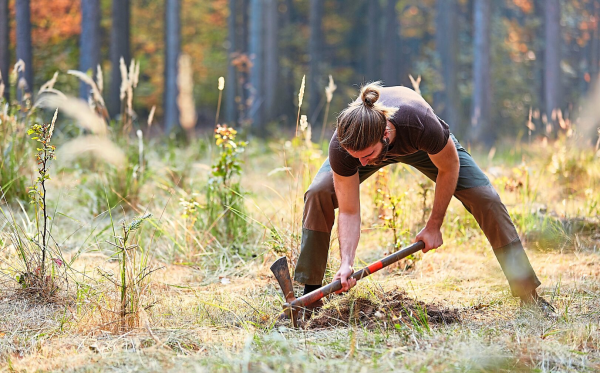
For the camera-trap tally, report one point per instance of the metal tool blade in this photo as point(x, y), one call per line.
point(282, 273)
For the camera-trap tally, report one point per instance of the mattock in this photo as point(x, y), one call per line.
point(292, 304)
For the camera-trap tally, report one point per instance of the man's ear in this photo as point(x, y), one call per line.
point(388, 125)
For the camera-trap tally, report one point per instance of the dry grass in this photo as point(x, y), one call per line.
point(216, 307)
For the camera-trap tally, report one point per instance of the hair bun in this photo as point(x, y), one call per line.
point(370, 95)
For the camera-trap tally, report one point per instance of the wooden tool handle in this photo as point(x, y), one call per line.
point(315, 295)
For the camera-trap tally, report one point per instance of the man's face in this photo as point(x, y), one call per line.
point(372, 155)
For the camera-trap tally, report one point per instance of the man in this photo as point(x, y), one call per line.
point(388, 125)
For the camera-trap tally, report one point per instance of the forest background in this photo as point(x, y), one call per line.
point(489, 68)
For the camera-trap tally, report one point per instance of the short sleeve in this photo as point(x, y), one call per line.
point(342, 163)
point(434, 134)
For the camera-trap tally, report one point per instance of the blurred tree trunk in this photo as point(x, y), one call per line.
point(4, 47)
point(482, 129)
point(242, 65)
point(89, 42)
point(539, 65)
point(390, 67)
point(315, 83)
point(245, 29)
point(119, 47)
point(595, 43)
point(231, 82)
point(446, 41)
point(172, 52)
point(288, 89)
point(373, 40)
point(466, 23)
point(271, 58)
point(24, 51)
point(255, 42)
point(552, 59)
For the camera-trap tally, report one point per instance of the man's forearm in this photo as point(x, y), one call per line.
point(349, 234)
point(445, 186)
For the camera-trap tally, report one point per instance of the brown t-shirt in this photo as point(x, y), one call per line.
point(417, 128)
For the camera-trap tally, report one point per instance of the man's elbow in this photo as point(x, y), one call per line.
point(453, 163)
point(456, 165)
point(350, 212)
point(450, 169)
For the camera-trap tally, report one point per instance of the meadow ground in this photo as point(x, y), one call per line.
point(212, 304)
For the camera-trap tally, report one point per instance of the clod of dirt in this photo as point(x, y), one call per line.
point(394, 307)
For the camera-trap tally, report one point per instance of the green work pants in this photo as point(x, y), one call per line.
point(474, 191)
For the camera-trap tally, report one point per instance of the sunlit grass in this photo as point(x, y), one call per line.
point(213, 305)
point(219, 309)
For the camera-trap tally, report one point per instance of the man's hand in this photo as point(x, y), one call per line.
point(431, 237)
point(343, 275)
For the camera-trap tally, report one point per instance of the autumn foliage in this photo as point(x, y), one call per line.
point(52, 21)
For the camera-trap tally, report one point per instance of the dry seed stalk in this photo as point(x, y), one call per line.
point(1, 86)
point(300, 98)
point(128, 82)
point(220, 87)
point(99, 78)
point(331, 87)
point(19, 67)
point(151, 116)
point(131, 72)
point(123, 89)
point(416, 83)
point(136, 75)
point(96, 93)
point(49, 84)
point(530, 124)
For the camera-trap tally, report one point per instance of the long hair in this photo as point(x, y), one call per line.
point(362, 123)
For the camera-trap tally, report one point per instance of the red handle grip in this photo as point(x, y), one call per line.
point(324, 291)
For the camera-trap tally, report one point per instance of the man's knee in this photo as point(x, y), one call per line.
point(319, 205)
point(321, 191)
point(491, 199)
point(314, 194)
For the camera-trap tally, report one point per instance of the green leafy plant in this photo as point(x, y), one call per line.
point(391, 215)
point(132, 277)
point(390, 209)
point(40, 269)
point(42, 133)
point(190, 214)
point(225, 200)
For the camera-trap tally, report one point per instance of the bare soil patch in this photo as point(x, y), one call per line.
point(393, 307)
